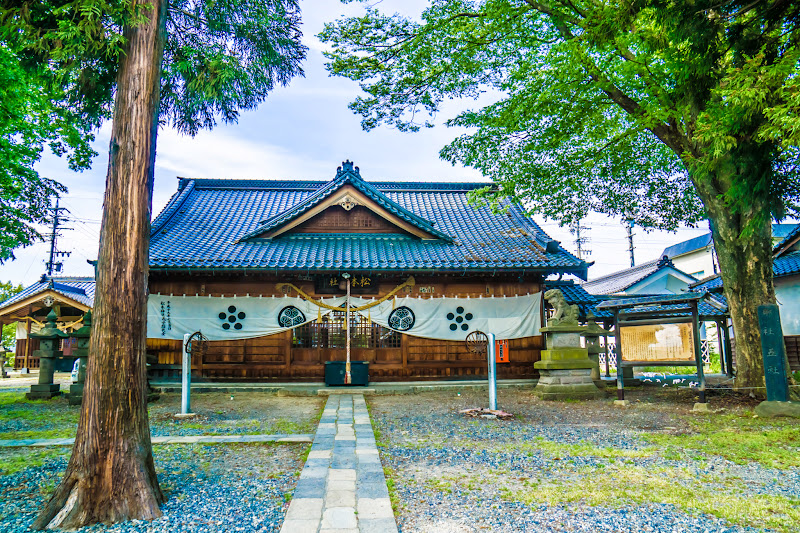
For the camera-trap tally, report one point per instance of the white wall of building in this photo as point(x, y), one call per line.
point(699, 263)
point(787, 292)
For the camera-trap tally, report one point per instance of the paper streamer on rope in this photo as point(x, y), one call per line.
point(229, 318)
point(454, 318)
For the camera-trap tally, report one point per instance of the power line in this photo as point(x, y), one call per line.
point(579, 241)
point(630, 241)
point(51, 263)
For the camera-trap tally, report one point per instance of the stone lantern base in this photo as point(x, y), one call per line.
point(565, 371)
point(44, 391)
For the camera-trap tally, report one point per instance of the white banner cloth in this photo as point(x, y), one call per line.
point(244, 317)
point(453, 319)
point(228, 318)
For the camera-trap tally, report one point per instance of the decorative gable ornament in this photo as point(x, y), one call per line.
point(347, 202)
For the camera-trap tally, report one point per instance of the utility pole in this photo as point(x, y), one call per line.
point(630, 241)
point(52, 264)
point(579, 240)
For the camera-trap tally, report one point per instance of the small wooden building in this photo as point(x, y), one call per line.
point(69, 296)
point(227, 255)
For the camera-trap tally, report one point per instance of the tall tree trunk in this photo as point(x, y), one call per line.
point(111, 476)
point(744, 251)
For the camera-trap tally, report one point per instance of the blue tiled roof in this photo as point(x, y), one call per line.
point(348, 175)
point(622, 280)
point(79, 289)
point(688, 246)
point(789, 237)
point(203, 225)
point(710, 283)
point(786, 265)
point(577, 295)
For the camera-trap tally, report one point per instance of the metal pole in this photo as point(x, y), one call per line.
point(492, 352)
point(186, 377)
point(347, 377)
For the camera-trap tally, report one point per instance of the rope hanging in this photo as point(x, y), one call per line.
point(407, 283)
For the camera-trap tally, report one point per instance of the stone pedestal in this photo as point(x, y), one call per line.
point(49, 339)
point(81, 351)
point(565, 371)
point(592, 334)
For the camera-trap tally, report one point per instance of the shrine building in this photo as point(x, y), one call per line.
point(260, 267)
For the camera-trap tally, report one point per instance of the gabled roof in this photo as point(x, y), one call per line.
point(347, 174)
point(697, 243)
point(210, 225)
point(624, 279)
point(77, 289)
point(708, 306)
point(786, 265)
point(712, 283)
point(791, 238)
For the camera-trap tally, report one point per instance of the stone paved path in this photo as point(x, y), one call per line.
point(342, 487)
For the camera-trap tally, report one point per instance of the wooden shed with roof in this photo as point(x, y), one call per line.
point(258, 267)
point(69, 296)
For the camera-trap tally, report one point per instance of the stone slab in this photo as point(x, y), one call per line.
point(374, 508)
point(778, 409)
point(305, 509)
point(300, 526)
point(339, 518)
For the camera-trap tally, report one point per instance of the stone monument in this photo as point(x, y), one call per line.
point(81, 351)
point(565, 371)
point(49, 338)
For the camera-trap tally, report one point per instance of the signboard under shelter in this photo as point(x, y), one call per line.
point(658, 343)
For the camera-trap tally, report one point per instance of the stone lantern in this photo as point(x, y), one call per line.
point(565, 370)
point(81, 351)
point(49, 343)
point(592, 333)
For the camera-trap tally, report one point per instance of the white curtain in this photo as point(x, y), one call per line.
point(453, 319)
point(229, 318)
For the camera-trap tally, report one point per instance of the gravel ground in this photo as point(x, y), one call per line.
point(216, 488)
point(457, 474)
point(237, 414)
point(217, 414)
point(209, 488)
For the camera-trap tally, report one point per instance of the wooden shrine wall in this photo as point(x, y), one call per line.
point(275, 358)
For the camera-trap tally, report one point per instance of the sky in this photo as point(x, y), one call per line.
point(302, 131)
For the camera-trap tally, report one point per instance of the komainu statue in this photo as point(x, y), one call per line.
point(565, 315)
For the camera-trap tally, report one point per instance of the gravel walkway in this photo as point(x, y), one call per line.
point(456, 474)
point(241, 488)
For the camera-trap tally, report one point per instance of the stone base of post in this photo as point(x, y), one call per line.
point(44, 391)
point(75, 394)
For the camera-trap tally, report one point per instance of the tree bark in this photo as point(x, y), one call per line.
point(111, 476)
point(745, 260)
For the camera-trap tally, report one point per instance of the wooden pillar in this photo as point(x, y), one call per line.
point(28, 345)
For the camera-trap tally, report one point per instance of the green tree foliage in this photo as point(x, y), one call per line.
point(659, 112)
point(58, 67)
point(9, 336)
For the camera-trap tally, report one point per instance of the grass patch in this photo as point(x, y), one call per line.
point(619, 485)
point(740, 438)
point(584, 449)
point(42, 419)
point(17, 459)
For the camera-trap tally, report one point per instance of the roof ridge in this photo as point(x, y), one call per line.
point(654, 262)
point(347, 174)
point(393, 184)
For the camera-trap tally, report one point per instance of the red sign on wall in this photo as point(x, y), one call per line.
point(501, 351)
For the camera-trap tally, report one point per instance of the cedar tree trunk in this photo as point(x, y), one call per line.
point(111, 476)
point(745, 261)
